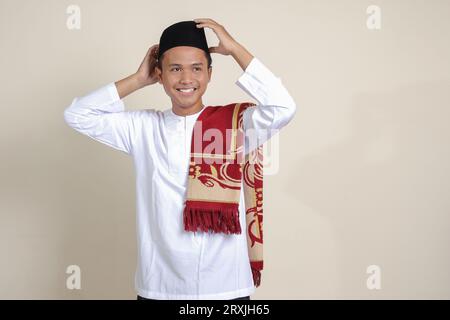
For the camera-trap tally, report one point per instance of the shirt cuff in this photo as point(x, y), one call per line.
point(256, 70)
point(114, 97)
point(256, 80)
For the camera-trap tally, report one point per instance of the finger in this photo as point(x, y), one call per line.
point(201, 24)
point(212, 21)
point(155, 49)
point(207, 22)
point(213, 49)
point(150, 50)
point(204, 20)
point(207, 25)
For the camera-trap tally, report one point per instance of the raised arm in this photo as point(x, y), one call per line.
point(275, 105)
point(101, 114)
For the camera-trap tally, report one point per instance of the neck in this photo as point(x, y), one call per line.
point(187, 111)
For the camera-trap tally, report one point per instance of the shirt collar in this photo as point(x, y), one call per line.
point(172, 118)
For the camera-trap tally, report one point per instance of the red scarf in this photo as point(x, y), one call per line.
point(216, 170)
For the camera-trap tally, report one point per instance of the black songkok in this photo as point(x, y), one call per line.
point(184, 33)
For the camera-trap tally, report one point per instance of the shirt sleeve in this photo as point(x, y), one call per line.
point(101, 115)
point(275, 107)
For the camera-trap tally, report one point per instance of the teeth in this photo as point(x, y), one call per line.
point(186, 90)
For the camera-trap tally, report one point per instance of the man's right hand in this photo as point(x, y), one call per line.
point(144, 76)
point(146, 73)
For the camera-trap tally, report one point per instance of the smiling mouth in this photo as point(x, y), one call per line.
point(187, 90)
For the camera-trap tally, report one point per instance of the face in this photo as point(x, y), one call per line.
point(186, 68)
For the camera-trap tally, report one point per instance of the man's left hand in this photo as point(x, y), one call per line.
point(226, 42)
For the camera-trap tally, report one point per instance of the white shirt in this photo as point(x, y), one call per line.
point(173, 263)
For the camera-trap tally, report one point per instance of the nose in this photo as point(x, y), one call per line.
point(186, 76)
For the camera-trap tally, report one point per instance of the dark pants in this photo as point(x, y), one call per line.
point(241, 298)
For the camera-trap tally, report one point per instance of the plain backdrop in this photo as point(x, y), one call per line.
point(364, 165)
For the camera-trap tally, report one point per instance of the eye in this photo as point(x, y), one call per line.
point(176, 68)
point(198, 68)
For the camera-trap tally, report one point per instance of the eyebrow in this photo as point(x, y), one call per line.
point(179, 65)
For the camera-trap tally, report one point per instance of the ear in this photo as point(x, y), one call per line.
point(158, 74)
point(209, 73)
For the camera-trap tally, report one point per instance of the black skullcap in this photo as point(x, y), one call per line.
point(184, 33)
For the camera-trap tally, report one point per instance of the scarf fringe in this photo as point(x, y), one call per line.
point(256, 277)
point(256, 267)
point(222, 220)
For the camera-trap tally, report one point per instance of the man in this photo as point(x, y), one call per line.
point(174, 263)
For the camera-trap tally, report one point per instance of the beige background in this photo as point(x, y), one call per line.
point(364, 176)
